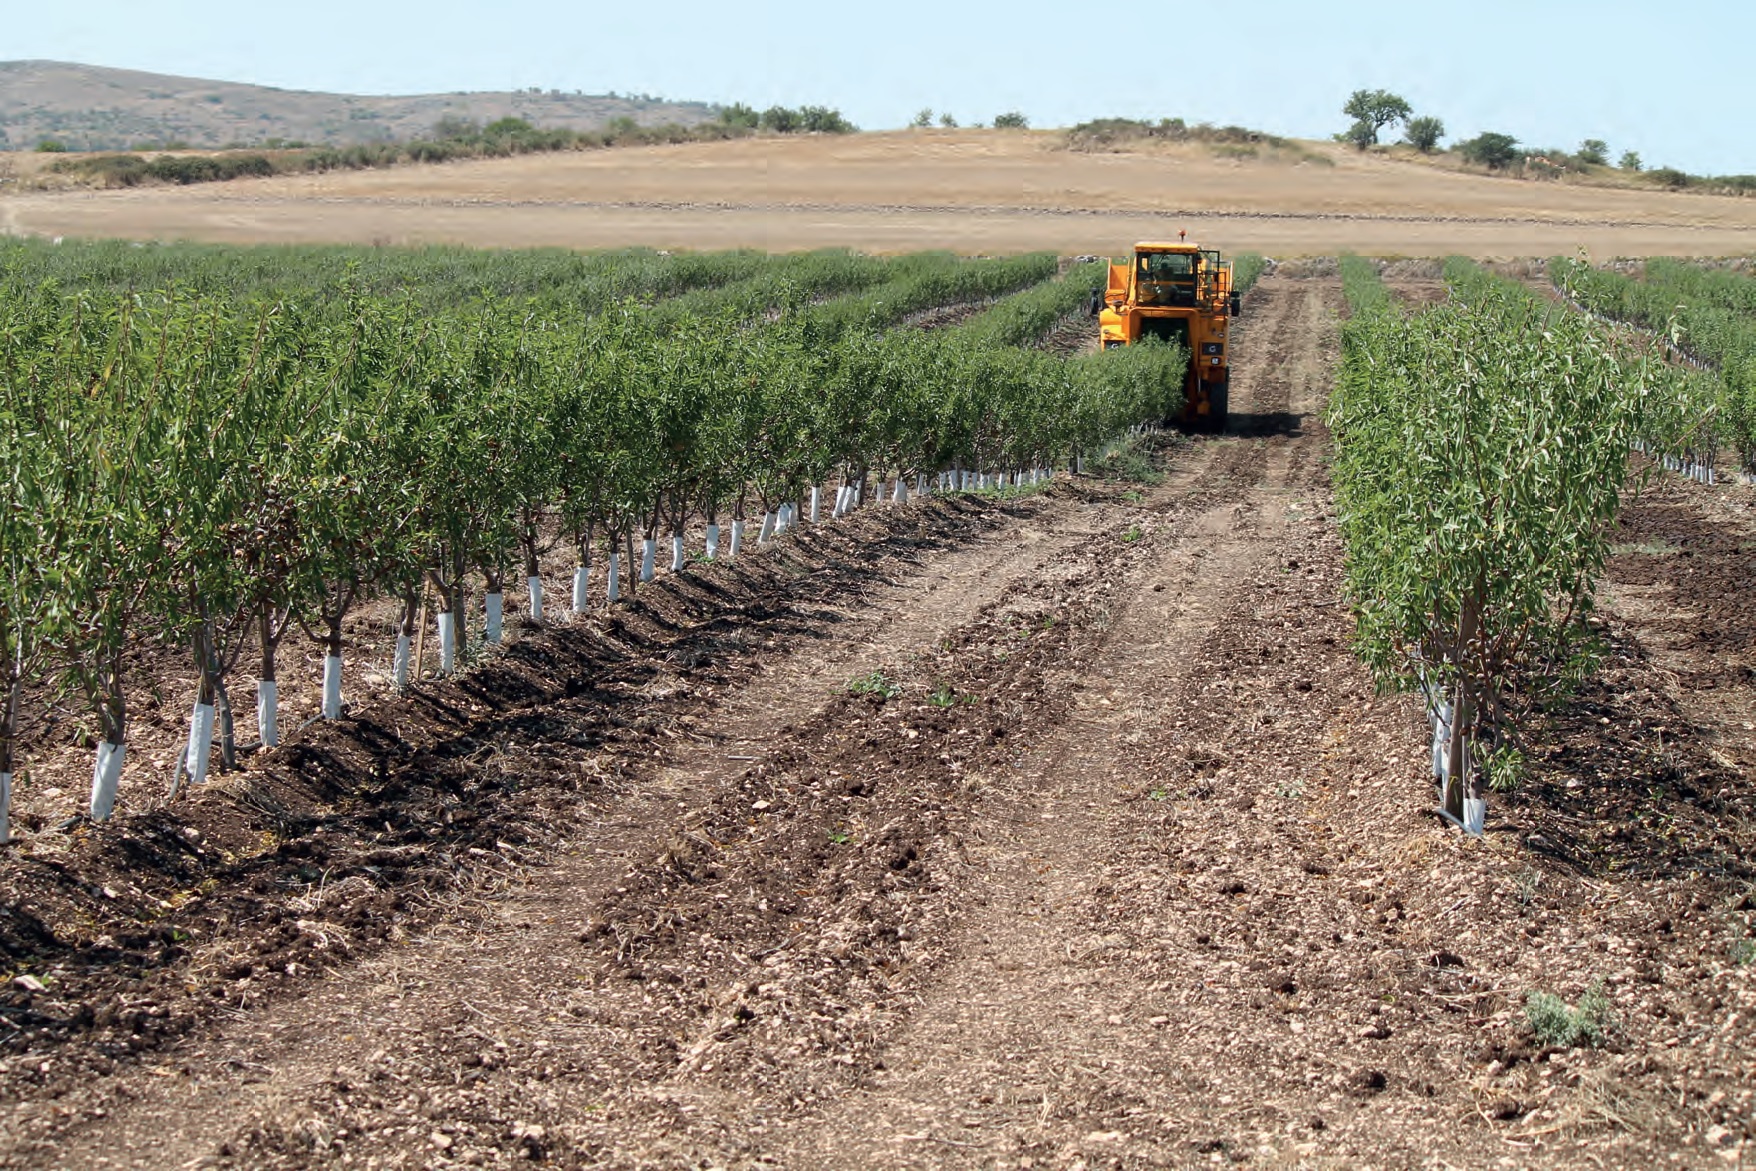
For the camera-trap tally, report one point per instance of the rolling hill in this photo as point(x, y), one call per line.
point(88, 107)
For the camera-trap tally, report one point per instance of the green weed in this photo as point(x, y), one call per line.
point(874, 683)
point(1554, 1023)
point(1505, 769)
point(1743, 951)
point(945, 695)
point(1130, 461)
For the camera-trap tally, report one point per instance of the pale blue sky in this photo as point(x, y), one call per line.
point(1676, 82)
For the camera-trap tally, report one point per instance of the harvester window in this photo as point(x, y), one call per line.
point(1166, 278)
point(1167, 266)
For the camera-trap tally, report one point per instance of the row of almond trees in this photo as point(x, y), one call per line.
point(1481, 456)
point(221, 478)
point(1709, 315)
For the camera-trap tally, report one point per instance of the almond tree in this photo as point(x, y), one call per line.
point(110, 568)
point(35, 519)
point(350, 490)
point(1482, 448)
point(229, 372)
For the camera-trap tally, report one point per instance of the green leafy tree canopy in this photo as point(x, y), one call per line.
point(1491, 150)
point(1424, 133)
point(1372, 110)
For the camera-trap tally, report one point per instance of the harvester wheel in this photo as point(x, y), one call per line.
point(1217, 395)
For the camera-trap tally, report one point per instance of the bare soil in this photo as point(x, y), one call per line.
point(1114, 860)
point(970, 191)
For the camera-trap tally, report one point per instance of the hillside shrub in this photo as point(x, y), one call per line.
point(1112, 133)
point(1491, 150)
point(740, 116)
point(1424, 133)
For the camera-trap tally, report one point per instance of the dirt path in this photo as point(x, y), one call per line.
point(1115, 860)
point(1027, 1044)
point(1680, 577)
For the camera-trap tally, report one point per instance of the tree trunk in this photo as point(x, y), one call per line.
point(332, 645)
point(582, 573)
point(493, 603)
point(405, 633)
point(227, 727)
point(533, 569)
point(451, 602)
point(267, 685)
point(8, 749)
point(1462, 787)
point(112, 713)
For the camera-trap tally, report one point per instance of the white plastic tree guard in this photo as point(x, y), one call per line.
point(105, 774)
point(447, 642)
point(332, 687)
point(268, 707)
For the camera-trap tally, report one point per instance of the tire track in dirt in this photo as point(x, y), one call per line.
point(987, 1071)
point(981, 1073)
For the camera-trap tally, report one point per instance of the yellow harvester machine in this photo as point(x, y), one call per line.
point(1182, 293)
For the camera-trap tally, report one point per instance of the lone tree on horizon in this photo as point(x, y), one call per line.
point(1372, 110)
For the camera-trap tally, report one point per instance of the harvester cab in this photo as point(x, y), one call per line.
point(1179, 293)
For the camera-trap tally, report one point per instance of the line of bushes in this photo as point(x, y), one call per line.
point(1247, 269)
point(1108, 133)
point(131, 170)
point(451, 140)
point(1502, 153)
point(1027, 316)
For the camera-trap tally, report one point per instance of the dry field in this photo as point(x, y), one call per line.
point(971, 191)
